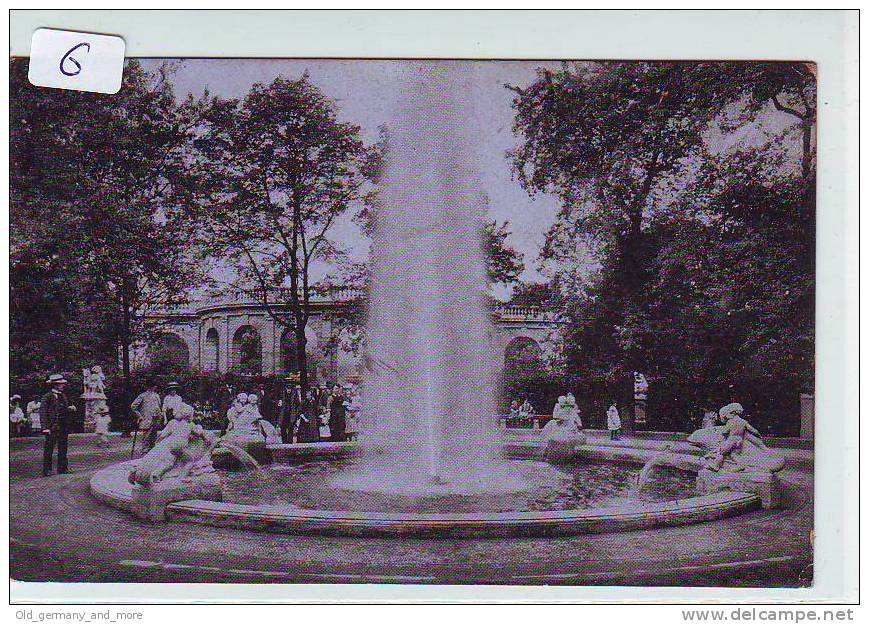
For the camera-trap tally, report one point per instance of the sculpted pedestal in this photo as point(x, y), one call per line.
point(179, 467)
point(763, 483)
point(149, 502)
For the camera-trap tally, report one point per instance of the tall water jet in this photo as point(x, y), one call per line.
point(428, 411)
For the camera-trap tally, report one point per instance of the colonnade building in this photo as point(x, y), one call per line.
point(239, 332)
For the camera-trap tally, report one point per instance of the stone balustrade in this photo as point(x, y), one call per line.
point(501, 312)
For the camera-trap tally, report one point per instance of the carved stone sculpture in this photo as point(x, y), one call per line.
point(94, 396)
point(736, 445)
point(737, 459)
point(563, 434)
point(179, 467)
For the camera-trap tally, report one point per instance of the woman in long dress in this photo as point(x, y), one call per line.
point(16, 414)
point(33, 415)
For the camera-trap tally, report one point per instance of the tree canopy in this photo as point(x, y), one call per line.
point(697, 261)
point(98, 189)
point(283, 169)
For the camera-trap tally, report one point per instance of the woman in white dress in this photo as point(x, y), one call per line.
point(613, 422)
point(33, 415)
point(16, 414)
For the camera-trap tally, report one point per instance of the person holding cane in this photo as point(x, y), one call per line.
point(149, 415)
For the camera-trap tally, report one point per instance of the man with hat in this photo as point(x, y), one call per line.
point(172, 401)
point(55, 414)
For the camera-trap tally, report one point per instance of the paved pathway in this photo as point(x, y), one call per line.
point(58, 532)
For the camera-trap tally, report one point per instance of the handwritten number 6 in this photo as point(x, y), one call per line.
point(72, 60)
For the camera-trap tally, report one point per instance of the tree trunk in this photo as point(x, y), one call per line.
point(302, 360)
point(807, 147)
point(128, 425)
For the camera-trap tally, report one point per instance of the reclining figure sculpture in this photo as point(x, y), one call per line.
point(182, 452)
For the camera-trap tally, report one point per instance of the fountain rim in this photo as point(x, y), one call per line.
point(109, 485)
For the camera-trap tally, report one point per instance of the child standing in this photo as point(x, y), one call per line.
point(102, 426)
point(613, 422)
point(325, 430)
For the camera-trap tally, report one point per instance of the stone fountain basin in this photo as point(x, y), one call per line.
point(111, 487)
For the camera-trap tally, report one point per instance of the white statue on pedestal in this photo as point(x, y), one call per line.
point(98, 381)
point(247, 424)
point(239, 404)
point(566, 423)
point(94, 396)
point(641, 387)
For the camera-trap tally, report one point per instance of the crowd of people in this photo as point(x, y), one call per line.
point(326, 414)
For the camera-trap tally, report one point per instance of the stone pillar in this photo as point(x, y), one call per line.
point(333, 353)
point(640, 411)
point(807, 416)
point(267, 339)
point(225, 347)
point(200, 346)
point(191, 337)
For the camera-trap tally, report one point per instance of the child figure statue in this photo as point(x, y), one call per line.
point(93, 380)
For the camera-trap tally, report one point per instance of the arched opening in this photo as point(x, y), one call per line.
point(522, 348)
point(526, 375)
point(289, 354)
point(247, 351)
point(211, 352)
point(169, 352)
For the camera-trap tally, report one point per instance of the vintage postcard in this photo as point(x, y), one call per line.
point(322, 321)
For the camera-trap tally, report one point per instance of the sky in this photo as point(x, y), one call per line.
point(364, 90)
point(366, 93)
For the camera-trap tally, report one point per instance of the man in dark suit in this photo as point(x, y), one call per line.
point(56, 416)
point(290, 407)
point(338, 416)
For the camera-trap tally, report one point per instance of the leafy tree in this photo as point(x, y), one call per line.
point(100, 183)
point(503, 263)
point(732, 303)
point(283, 169)
point(535, 294)
point(602, 135)
point(168, 354)
point(691, 281)
point(528, 375)
point(791, 88)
